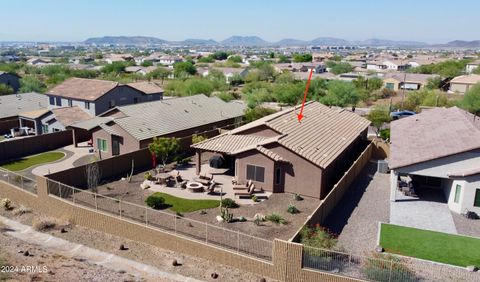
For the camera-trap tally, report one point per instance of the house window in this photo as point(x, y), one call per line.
point(256, 173)
point(52, 101)
point(44, 128)
point(111, 104)
point(102, 145)
point(69, 102)
point(458, 190)
point(278, 176)
point(59, 101)
point(87, 105)
point(389, 86)
point(476, 203)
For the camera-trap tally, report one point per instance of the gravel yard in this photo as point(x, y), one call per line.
point(356, 216)
point(277, 203)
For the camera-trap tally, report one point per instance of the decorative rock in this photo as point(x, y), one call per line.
point(123, 248)
point(259, 216)
point(472, 268)
point(26, 253)
point(263, 280)
point(175, 263)
point(379, 249)
point(219, 218)
point(214, 275)
point(63, 230)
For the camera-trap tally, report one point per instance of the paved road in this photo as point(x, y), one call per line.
point(71, 250)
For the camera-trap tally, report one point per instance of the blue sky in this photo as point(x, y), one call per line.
point(73, 20)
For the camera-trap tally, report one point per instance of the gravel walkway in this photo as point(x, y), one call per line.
point(466, 226)
point(356, 216)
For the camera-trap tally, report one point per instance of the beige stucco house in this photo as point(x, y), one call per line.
point(461, 84)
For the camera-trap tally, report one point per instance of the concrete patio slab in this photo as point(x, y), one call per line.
point(422, 214)
point(224, 185)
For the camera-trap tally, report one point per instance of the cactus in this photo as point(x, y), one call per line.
point(226, 215)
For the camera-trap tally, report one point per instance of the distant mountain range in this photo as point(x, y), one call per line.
point(250, 41)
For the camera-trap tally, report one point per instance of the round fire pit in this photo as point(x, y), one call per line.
point(194, 187)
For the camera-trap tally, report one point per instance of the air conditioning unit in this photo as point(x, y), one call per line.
point(382, 166)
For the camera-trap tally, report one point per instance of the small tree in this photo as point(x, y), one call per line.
point(378, 116)
point(164, 147)
point(198, 138)
point(471, 100)
point(5, 89)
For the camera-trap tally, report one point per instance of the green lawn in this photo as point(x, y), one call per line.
point(185, 205)
point(430, 245)
point(27, 162)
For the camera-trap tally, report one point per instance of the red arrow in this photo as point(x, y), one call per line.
point(300, 115)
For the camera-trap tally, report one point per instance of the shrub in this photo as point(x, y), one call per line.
point(387, 268)
point(21, 210)
point(385, 134)
point(297, 197)
point(255, 198)
point(147, 175)
point(229, 203)
point(242, 219)
point(318, 237)
point(226, 215)
point(6, 204)
point(276, 218)
point(44, 224)
point(292, 209)
point(155, 202)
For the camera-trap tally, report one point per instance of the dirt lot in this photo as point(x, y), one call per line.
point(65, 269)
point(277, 203)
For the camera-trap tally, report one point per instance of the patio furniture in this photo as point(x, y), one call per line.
point(205, 182)
point(249, 192)
point(243, 186)
point(183, 184)
point(194, 187)
point(162, 178)
point(211, 188)
point(205, 177)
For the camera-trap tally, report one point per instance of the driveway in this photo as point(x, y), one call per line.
point(430, 212)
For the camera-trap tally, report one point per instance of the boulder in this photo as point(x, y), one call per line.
point(472, 268)
point(379, 249)
point(219, 218)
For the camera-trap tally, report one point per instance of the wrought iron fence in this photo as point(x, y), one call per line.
point(18, 180)
point(384, 268)
point(173, 223)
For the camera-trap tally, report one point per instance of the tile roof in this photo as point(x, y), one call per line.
point(147, 120)
point(83, 89)
point(34, 114)
point(433, 134)
point(90, 124)
point(466, 79)
point(70, 115)
point(272, 155)
point(146, 87)
point(230, 143)
point(410, 77)
point(323, 134)
point(12, 105)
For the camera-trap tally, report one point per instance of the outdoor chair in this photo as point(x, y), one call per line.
point(183, 184)
point(243, 186)
point(211, 187)
point(249, 192)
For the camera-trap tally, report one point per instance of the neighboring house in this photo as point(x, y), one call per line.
point(169, 60)
point(118, 58)
point(407, 81)
point(386, 66)
point(440, 150)
point(11, 106)
point(470, 67)
point(39, 62)
point(52, 120)
point(140, 70)
point(96, 96)
point(148, 87)
point(279, 154)
point(10, 79)
point(228, 72)
point(463, 83)
point(130, 128)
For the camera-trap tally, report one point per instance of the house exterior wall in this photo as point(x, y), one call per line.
point(10, 80)
point(459, 87)
point(253, 157)
point(121, 95)
point(452, 164)
point(301, 176)
point(127, 143)
point(391, 81)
